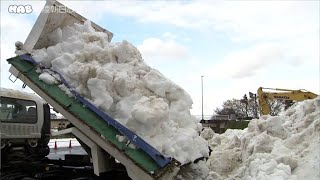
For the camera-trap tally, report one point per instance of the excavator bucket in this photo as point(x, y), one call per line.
point(53, 16)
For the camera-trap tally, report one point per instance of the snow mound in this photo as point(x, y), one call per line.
point(272, 147)
point(114, 77)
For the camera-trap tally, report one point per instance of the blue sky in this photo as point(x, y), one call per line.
point(237, 46)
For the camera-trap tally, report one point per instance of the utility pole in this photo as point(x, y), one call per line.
point(245, 101)
point(254, 96)
point(202, 95)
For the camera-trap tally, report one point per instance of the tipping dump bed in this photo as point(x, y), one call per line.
point(90, 118)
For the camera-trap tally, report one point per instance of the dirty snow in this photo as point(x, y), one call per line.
point(114, 77)
point(279, 147)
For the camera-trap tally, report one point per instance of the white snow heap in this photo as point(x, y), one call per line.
point(116, 79)
point(272, 147)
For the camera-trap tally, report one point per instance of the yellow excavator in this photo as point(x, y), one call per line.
point(281, 94)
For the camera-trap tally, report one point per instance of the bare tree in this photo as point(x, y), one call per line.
point(240, 109)
point(235, 106)
point(276, 107)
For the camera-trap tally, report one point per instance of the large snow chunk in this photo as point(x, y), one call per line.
point(147, 115)
point(115, 79)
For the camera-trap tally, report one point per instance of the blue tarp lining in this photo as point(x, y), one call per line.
point(132, 137)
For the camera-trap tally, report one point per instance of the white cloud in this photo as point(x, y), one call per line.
point(154, 48)
point(291, 25)
point(241, 20)
point(169, 35)
point(247, 62)
point(263, 57)
point(14, 27)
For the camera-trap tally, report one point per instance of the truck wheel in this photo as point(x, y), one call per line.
point(4, 154)
point(3, 144)
point(43, 150)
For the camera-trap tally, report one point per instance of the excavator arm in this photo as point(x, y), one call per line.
point(281, 94)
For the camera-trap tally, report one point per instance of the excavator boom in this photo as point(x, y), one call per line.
point(281, 94)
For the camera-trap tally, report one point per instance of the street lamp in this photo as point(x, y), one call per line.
point(202, 95)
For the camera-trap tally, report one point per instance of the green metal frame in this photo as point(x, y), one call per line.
point(85, 114)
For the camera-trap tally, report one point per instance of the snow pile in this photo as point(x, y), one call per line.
point(115, 78)
point(279, 147)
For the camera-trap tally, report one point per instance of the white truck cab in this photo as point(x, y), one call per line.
point(24, 122)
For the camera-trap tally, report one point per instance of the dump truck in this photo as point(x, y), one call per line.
point(91, 126)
